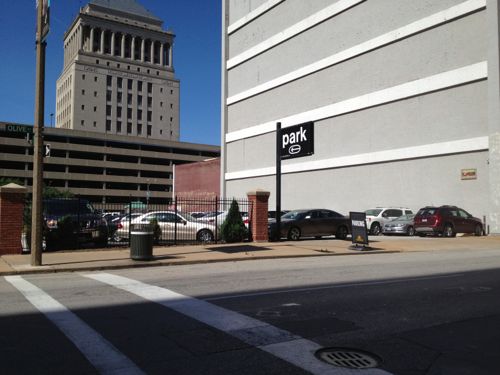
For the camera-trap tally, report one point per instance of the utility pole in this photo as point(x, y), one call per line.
point(37, 202)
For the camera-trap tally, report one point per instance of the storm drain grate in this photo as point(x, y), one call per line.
point(350, 358)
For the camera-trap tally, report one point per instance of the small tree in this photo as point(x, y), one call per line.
point(233, 229)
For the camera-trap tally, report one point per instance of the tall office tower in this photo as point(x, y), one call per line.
point(118, 75)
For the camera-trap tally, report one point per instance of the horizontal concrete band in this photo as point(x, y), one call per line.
point(441, 81)
point(257, 12)
point(429, 150)
point(396, 35)
point(321, 16)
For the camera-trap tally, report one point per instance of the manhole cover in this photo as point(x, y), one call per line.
point(350, 358)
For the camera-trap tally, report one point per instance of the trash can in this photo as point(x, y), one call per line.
point(141, 243)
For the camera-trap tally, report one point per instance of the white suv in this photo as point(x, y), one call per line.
point(377, 217)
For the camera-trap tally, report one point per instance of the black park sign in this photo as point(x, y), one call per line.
point(297, 141)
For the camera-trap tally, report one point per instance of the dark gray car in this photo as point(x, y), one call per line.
point(310, 223)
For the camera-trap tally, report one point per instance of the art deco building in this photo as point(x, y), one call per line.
point(118, 75)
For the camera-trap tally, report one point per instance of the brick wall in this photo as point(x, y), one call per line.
point(198, 180)
point(11, 218)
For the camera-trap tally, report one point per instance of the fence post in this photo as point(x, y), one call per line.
point(129, 217)
point(79, 224)
point(216, 215)
point(175, 222)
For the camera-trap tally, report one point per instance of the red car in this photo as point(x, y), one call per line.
point(446, 221)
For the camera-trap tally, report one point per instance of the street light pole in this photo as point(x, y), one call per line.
point(36, 214)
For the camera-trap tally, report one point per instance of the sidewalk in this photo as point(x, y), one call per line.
point(105, 259)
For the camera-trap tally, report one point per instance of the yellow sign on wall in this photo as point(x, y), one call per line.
point(469, 174)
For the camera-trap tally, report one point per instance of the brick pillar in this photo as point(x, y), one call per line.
point(259, 199)
point(11, 218)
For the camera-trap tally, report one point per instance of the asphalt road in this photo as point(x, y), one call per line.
point(416, 313)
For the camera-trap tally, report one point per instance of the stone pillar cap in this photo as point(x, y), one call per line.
point(12, 188)
point(259, 193)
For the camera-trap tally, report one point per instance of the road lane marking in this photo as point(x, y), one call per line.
point(280, 343)
point(98, 351)
point(360, 284)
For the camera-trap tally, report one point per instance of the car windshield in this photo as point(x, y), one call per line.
point(187, 216)
point(405, 217)
point(373, 212)
point(67, 206)
point(293, 215)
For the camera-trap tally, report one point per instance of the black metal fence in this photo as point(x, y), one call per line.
point(76, 223)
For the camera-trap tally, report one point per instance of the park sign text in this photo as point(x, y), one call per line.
point(297, 141)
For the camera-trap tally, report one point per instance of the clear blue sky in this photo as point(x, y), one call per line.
point(197, 51)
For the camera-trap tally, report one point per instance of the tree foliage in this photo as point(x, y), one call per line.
point(233, 229)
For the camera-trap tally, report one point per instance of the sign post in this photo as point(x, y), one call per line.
point(358, 229)
point(291, 142)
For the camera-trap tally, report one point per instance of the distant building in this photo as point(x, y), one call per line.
point(404, 97)
point(100, 167)
point(118, 75)
point(198, 180)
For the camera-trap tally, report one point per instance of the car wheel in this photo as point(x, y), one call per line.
point(478, 231)
point(341, 233)
point(294, 234)
point(375, 229)
point(205, 235)
point(410, 231)
point(448, 231)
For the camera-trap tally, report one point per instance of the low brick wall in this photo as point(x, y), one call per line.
point(11, 218)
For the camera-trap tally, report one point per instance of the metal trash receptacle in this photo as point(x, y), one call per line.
point(141, 243)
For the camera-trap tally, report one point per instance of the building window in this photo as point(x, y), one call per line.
point(139, 85)
point(95, 79)
point(119, 97)
point(117, 65)
point(95, 94)
point(129, 128)
point(139, 129)
point(83, 77)
point(119, 82)
point(157, 73)
point(83, 107)
point(82, 122)
point(161, 90)
point(109, 80)
point(129, 113)
point(97, 62)
point(138, 69)
point(95, 124)
point(150, 101)
point(118, 126)
point(119, 112)
point(129, 99)
point(129, 84)
point(108, 95)
point(161, 131)
point(139, 100)
point(150, 115)
point(139, 115)
point(108, 125)
point(150, 87)
point(128, 67)
point(83, 92)
point(95, 109)
point(171, 106)
point(149, 130)
point(108, 110)
point(171, 92)
point(161, 118)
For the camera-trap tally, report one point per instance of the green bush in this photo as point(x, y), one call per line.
point(233, 229)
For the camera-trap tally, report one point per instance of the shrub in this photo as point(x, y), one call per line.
point(233, 229)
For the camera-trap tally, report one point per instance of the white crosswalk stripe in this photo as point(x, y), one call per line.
point(280, 343)
point(98, 351)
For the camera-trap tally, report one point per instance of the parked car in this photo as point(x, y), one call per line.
point(188, 228)
point(377, 217)
point(400, 225)
point(310, 223)
point(116, 226)
point(446, 221)
point(71, 221)
point(272, 214)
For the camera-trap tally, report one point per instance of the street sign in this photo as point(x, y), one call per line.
point(13, 128)
point(359, 230)
point(297, 141)
point(45, 19)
